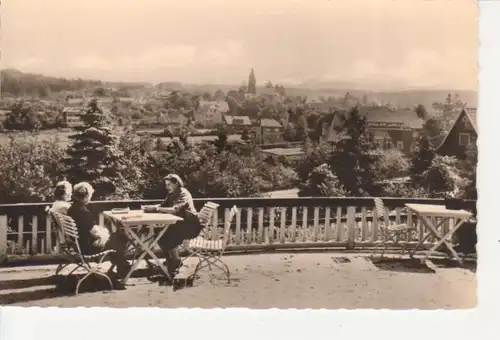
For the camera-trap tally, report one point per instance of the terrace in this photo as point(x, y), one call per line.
point(283, 253)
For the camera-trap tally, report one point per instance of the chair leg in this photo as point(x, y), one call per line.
point(80, 282)
point(61, 267)
point(196, 269)
point(228, 273)
point(208, 261)
point(384, 235)
point(106, 277)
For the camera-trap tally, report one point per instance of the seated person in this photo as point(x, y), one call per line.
point(466, 238)
point(62, 197)
point(94, 238)
point(180, 203)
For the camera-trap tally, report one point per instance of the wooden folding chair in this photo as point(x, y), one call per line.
point(206, 218)
point(390, 232)
point(209, 252)
point(70, 248)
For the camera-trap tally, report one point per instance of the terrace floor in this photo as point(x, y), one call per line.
point(300, 280)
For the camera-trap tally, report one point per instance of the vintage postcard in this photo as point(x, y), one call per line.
point(256, 154)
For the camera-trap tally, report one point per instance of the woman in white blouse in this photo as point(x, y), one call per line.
point(62, 197)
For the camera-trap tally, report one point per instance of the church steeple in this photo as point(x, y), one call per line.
point(252, 83)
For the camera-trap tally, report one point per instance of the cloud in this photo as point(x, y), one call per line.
point(164, 57)
point(156, 57)
point(418, 68)
point(29, 64)
point(228, 53)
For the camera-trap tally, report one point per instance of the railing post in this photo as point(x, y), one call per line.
point(3, 238)
point(351, 227)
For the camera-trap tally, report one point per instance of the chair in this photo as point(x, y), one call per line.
point(390, 232)
point(68, 243)
point(206, 218)
point(209, 252)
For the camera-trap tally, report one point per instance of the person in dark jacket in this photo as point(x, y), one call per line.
point(178, 202)
point(93, 238)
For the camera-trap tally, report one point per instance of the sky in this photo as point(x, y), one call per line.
point(379, 44)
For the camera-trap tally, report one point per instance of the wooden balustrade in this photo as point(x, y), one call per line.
point(261, 223)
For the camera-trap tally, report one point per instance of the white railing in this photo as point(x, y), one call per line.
point(261, 223)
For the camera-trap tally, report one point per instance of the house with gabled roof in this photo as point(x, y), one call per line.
point(391, 129)
point(236, 124)
point(209, 113)
point(268, 131)
point(461, 136)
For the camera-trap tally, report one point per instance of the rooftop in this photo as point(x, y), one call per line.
point(284, 151)
point(238, 120)
point(408, 117)
point(272, 123)
point(219, 105)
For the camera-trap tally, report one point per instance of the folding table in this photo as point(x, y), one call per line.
point(429, 215)
point(132, 222)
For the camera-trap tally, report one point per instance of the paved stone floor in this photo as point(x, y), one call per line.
point(302, 280)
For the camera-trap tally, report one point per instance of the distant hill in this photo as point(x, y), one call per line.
point(411, 98)
point(17, 83)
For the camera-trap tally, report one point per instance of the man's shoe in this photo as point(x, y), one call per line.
point(123, 269)
point(119, 285)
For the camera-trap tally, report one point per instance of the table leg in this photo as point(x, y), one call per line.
point(443, 240)
point(426, 237)
point(146, 251)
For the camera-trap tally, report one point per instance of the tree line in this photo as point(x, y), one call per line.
point(125, 165)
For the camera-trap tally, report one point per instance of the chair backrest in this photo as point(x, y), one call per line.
point(229, 221)
point(67, 229)
point(380, 208)
point(206, 214)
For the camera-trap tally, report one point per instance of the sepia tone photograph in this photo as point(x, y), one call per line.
point(254, 154)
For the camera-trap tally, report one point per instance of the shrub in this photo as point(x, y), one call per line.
point(443, 177)
point(321, 183)
point(29, 169)
point(390, 164)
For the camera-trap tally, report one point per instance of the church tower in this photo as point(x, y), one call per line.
point(252, 83)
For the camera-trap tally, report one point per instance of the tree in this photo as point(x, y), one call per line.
point(22, 117)
point(100, 92)
point(421, 111)
point(432, 128)
point(315, 127)
point(301, 129)
point(470, 172)
point(421, 160)
point(448, 103)
point(222, 140)
point(289, 135)
point(269, 85)
point(93, 155)
point(246, 136)
point(353, 158)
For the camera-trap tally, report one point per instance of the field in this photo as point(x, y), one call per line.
point(63, 136)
